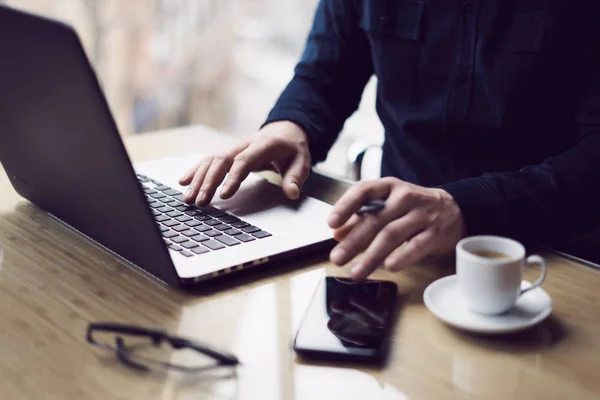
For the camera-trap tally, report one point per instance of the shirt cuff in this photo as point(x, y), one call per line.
point(483, 210)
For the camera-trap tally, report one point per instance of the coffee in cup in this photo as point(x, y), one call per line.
point(490, 270)
point(492, 254)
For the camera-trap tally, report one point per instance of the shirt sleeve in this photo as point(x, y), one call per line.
point(330, 77)
point(551, 202)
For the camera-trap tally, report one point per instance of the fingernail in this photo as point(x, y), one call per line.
point(355, 271)
point(333, 220)
point(223, 190)
point(338, 255)
point(188, 193)
point(296, 190)
point(201, 196)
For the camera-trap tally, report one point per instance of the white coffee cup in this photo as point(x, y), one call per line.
point(492, 285)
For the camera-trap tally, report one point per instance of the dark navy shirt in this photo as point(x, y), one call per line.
point(495, 101)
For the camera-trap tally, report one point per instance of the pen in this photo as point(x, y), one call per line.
point(372, 207)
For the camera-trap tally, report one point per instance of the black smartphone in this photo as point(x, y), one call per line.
point(347, 320)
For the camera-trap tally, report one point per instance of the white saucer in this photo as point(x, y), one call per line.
point(443, 299)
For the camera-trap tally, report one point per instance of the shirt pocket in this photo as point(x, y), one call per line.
point(392, 18)
point(394, 29)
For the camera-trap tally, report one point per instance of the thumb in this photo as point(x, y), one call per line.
point(295, 176)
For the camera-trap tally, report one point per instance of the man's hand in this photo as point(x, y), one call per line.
point(415, 223)
point(279, 145)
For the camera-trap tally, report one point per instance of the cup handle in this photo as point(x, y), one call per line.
point(536, 260)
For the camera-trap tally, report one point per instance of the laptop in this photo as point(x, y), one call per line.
point(62, 151)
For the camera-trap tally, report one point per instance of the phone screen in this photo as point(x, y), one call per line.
point(347, 319)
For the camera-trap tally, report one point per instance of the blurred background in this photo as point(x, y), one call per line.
point(220, 63)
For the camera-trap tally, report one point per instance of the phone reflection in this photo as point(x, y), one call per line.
point(358, 312)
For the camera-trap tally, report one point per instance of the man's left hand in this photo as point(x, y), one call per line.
point(416, 222)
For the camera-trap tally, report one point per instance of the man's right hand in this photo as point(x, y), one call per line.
point(280, 145)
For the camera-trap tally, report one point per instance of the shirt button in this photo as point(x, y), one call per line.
point(381, 21)
point(467, 6)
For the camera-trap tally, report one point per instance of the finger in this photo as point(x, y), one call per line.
point(197, 179)
point(340, 233)
point(386, 241)
point(245, 162)
point(355, 197)
point(367, 228)
point(186, 178)
point(195, 176)
point(356, 240)
point(214, 176)
point(417, 248)
point(295, 176)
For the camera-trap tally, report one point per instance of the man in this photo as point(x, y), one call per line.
point(492, 118)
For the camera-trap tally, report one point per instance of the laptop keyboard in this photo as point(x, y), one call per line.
point(190, 230)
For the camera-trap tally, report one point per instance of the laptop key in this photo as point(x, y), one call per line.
point(229, 219)
point(170, 223)
point(200, 238)
point(158, 195)
point(163, 228)
point(221, 227)
point(213, 212)
point(155, 213)
point(180, 228)
point(189, 233)
point(186, 253)
point(167, 200)
point(183, 218)
point(171, 192)
point(213, 245)
point(240, 224)
point(200, 250)
point(174, 247)
point(142, 178)
point(212, 233)
point(233, 232)
point(174, 214)
point(179, 239)
point(202, 228)
point(182, 208)
point(202, 217)
point(162, 187)
point(249, 229)
point(161, 218)
point(178, 197)
point(261, 234)
point(149, 191)
point(155, 204)
point(189, 245)
point(244, 238)
point(164, 209)
point(169, 234)
point(193, 212)
point(212, 222)
point(192, 223)
point(229, 241)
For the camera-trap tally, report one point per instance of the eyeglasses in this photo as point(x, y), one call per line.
point(142, 349)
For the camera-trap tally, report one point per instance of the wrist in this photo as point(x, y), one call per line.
point(288, 129)
point(448, 203)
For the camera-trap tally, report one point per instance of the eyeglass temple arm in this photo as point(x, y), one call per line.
point(155, 334)
point(219, 355)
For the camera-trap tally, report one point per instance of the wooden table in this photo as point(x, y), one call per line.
point(52, 284)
